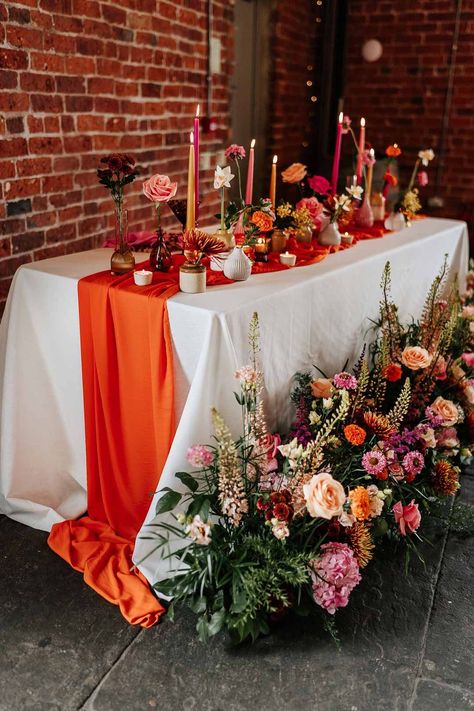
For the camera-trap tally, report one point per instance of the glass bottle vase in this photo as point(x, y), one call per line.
point(160, 257)
point(122, 260)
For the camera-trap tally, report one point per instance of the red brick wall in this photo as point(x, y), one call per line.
point(81, 78)
point(402, 95)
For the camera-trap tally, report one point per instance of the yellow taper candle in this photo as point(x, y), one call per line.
point(273, 181)
point(190, 208)
point(370, 173)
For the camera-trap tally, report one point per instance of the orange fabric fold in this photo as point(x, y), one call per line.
point(128, 384)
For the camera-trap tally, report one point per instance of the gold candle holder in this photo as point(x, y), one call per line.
point(261, 249)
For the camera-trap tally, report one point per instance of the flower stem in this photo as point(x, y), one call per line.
point(240, 181)
point(413, 175)
point(222, 211)
point(158, 214)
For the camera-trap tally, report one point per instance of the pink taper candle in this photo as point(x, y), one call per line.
point(337, 154)
point(361, 151)
point(196, 163)
point(250, 169)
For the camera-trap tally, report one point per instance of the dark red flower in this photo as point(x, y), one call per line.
point(268, 515)
point(262, 505)
point(277, 498)
point(281, 512)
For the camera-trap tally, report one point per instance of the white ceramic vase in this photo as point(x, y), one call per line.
point(330, 236)
point(395, 222)
point(237, 266)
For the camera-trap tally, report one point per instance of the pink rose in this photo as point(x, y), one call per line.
point(294, 173)
point(322, 387)
point(319, 184)
point(416, 358)
point(314, 207)
point(447, 410)
point(422, 178)
point(270, 443)
point(439, 370)
point(324, 496)
point(468, 358)
point(407, 517)
point(159, 188)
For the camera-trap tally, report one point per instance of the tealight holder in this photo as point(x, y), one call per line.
point(288, 259)
point(347, 238)
point(278, 240)
point(142, 277)
point(261, 249)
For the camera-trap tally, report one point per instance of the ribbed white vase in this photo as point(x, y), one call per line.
point(330, 236)
point(237, 266)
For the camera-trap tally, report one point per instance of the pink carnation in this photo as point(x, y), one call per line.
point(334, 575)
point(199, 456)
point(319, 184)
point(408, 517)
point(235, 152)
point(422, 178)
point(314, 207)
point(345, 381)
point(468, 358)
point(413, 463)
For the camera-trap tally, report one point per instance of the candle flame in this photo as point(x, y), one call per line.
point(191, 137)
point(275, 159)
point(362, 122)
point(197, 111)
point(395, 145)
point(372, 152)
point(252, 143)
point(341, 117)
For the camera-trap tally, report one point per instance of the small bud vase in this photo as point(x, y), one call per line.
point(237, 266)
point(377, 202)
point(279, 240)
point(330, 236)
point(364, 215)
point(304, 234)
point(160, 256)
point(395, 222)
point(122, 260)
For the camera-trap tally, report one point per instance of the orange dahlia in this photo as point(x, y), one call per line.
point(360, 503)
point(355, 434)
point(379, 424)
point(361, 543)
point(262, 220)
point(445, 478)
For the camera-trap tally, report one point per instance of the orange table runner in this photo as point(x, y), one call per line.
point(127, 370)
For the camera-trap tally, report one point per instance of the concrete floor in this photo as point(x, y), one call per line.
point(407, 644)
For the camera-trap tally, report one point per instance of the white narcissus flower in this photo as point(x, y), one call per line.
point(355, 191)
point(426, 156)
point(222, 177)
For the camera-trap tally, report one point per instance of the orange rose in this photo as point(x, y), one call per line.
point(393, 151)
point(447, 410)
point(324, 496)
point(416, 358)
point(322, 387)
point(294, 174)
point(360, 503)
point(263, 221)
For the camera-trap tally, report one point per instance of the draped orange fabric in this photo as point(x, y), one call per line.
point(127, 370)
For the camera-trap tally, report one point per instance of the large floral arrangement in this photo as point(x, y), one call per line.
point(267, 525)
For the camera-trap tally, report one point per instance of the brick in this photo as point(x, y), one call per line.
point(79, 104)
point(46, 103)
point(46, 145)
point(21, 188)
point(25, 37)
point(63, 233)
point(56, 184)
point(7, 169)
point(11, 102)
point(5, 251)
point(19, 15)
point(13, 147)
point(80, 65)
point(70, 85)
point(8, 227)
point(47, 62)
point(77, 144)
point(15, 124)
point(27, 241)
point(36, 82)
point(8, 80)
point(33, 166)
point(90, 46)
point(13, 59)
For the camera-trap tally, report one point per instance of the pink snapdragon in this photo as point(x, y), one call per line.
point(199, 456)
point(334, 575)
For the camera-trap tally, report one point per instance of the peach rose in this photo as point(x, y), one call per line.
point(159, 188)
point(322, 387)
point(447, 410)
point(324, 496)
point(294, 173)
point(416, 358)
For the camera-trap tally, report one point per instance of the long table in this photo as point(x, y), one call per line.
point(310, 315)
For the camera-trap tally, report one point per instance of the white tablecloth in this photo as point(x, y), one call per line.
point(310, 315)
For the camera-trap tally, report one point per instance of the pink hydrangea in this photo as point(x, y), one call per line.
point(334, 575)
point(345, 381)
point(374, 462)
point(314, 207)
point(235, 152)
point(199, 456)
point(319, 184)
point(413, 463)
